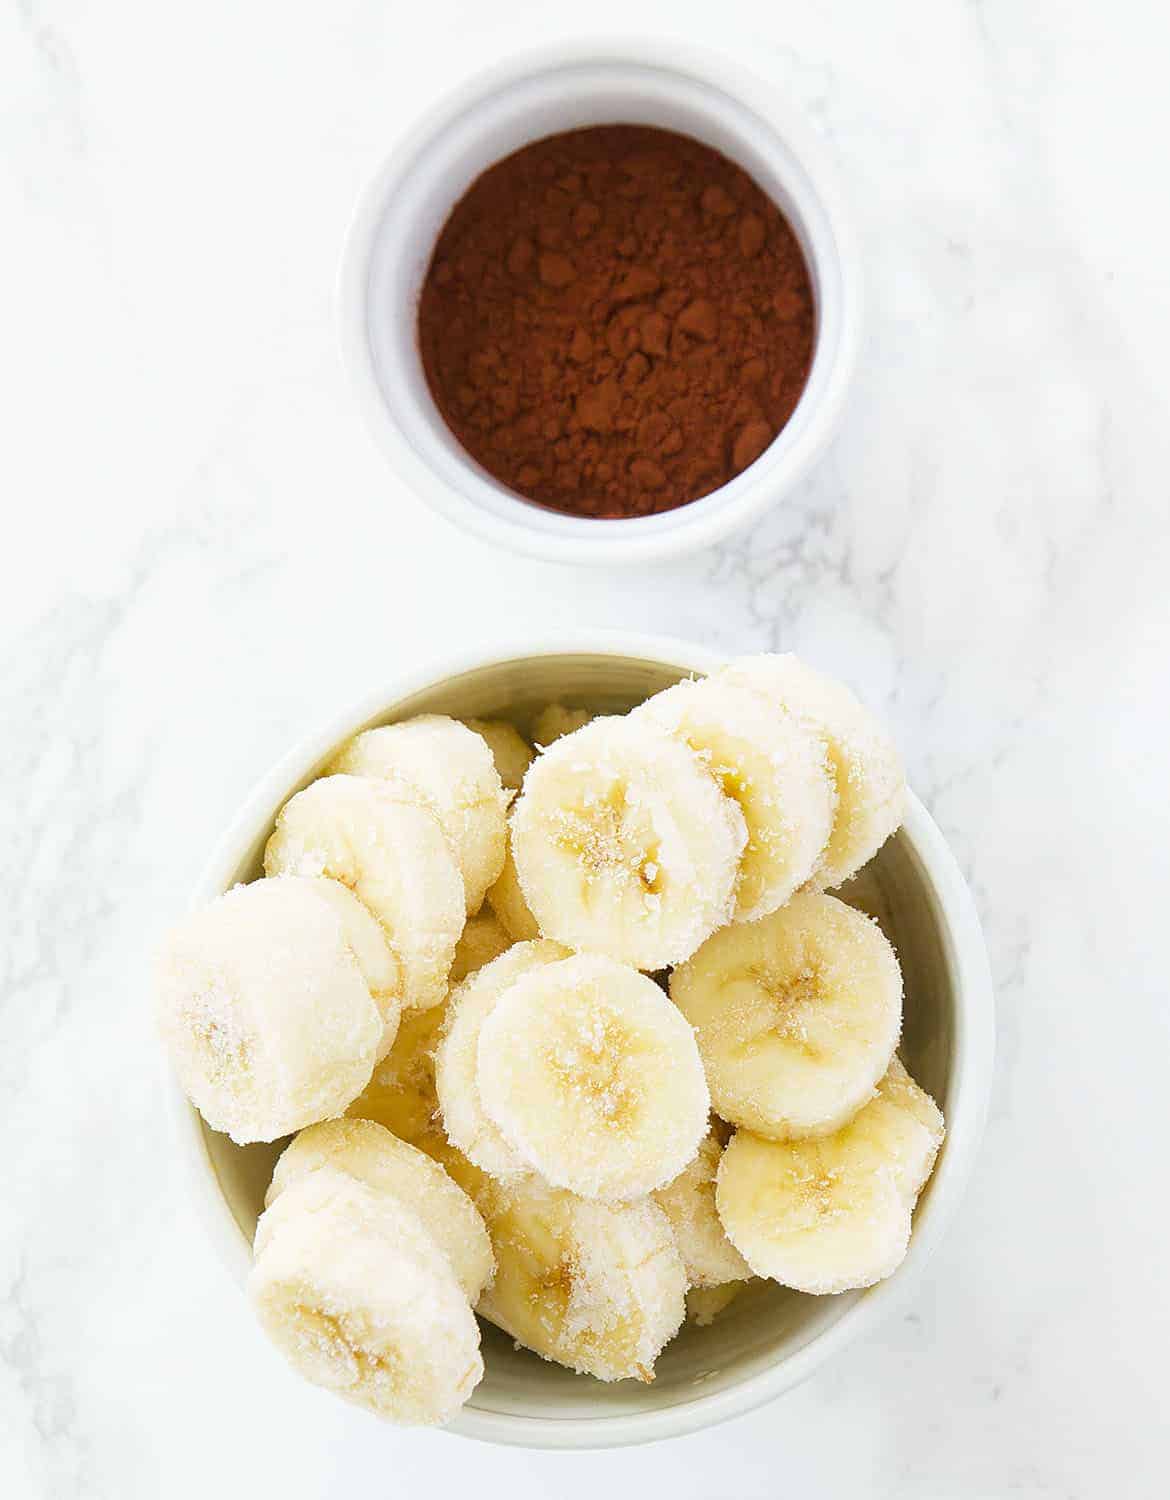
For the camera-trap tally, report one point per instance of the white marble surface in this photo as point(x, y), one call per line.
point(205, 555)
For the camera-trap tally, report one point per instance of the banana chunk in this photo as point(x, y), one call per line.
point(457, 1058)
point(797, 1016)
point(511, 752)
point(555, 720)
point(771, 767)
point(871, 785)
point(832, 1214)
point(597, 1287)
point(625, 846)
point(358, 1299)
point(401, 1094)
point(265, 1011)
point(506, 900)
point(392, 855)
point(593, 1078)
point(710, 1259)
point(448, 769)
point(705, 1303)
point(484, 938)
point(381, 1161)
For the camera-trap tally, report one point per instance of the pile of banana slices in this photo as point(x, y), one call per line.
point(573, 1037)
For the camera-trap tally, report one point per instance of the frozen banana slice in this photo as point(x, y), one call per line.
point(554, 721)
point(774, 769)
point(401, 1094)
point(448, 769)
point(705, 1303)
point(711, 1260)
point(593, 1078)
point(506, 900)
point(832, 1214)
point(381, 1161)
point(511, 752)
point(867, 770)
point(625, 846)
point(598, 1287)
point(268, 1018)
point(484, 938)
point(358, 1299)
point(797, 1016)
point(392, 855)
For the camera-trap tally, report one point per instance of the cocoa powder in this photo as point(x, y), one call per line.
point(616, 321)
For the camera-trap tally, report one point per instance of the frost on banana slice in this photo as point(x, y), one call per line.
point(357, 1297)
point(710, 1259)
point(597, 1287)
point(832, 1214)
point(771, 767)
point(705, 1303)
point(797, 1016)
point(265, 1011)
point(448, 769)
point(511, 752)
point(457, 1058)
point(624, 845)
point(871, 785)
point(392, 855)
point(506, 899)
point(401, 1094)
point(554, 721)
point(381, 1161)
point(484, 938)
point(593, 1078)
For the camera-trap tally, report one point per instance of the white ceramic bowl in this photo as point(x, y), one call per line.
point(714, 99)
point(770, 1338)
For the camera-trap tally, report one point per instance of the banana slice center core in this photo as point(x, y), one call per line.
point(328, 1331)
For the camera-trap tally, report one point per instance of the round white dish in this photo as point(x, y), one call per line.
point(713, 98)
point(770, 1338)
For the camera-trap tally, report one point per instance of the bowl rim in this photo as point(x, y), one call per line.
point(565, 538)
point(969, 1084)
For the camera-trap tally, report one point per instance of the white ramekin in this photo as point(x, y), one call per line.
point(660, 83)
point(770, 1338)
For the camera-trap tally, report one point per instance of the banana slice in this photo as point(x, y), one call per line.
point(832, 1214)
point(624, 845)
point(484, 938)
point(593, 1078)
point(448, 769)
point(554, 721)
point(871, 785)
point(394, 858)
point(457, 1057)
point(511, 752)
point(506, 899)
point(597, 1287)
point(710, 1259)
point(381, 1161)
point(902, 1129)
point(797, 1016)
point(358, 1299)
point(264, 1009)
point(705, 1303)
point(367, 942)
point(772, 767)
point(401, 1094)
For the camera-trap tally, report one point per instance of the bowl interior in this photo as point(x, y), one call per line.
point(767, 1323)
point(421, 187)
